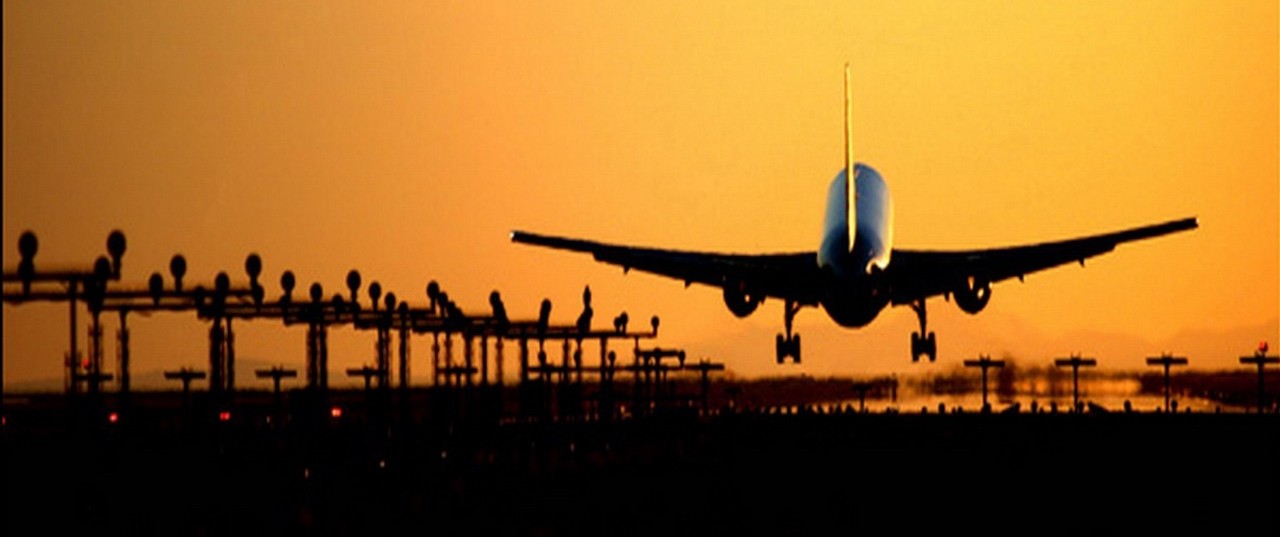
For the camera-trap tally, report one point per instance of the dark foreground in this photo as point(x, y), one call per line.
point(732, 474)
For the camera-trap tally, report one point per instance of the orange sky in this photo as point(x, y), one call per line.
point(407, 139)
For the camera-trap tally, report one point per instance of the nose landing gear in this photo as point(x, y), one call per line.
point(923, 343)
point(788, 346)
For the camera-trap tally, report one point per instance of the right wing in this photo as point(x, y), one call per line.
point(919, 274)
point(792, 276)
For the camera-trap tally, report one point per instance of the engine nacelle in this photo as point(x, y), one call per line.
point(739, 302)
point(973, 296)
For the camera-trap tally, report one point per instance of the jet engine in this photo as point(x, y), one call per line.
point(973, 295)
point(739, 302)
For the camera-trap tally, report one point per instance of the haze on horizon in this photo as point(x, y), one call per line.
point(406, 139)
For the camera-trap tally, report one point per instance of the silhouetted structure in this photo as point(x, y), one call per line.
point(1166, 360)
point(1261, 360)
point(185, 376)
point(367, 373)
point(276, 374)
point(222, 301)
point(985, 363)
point(1075, 362)
point(704, 369)
point(77, 285)
point(861, 388)
point(650, 377)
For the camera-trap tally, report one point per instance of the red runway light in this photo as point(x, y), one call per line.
point(113, 417)
point(335, 412)
point(224, 416)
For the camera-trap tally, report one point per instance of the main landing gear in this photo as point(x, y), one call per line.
point(789, 345)
point(922, 344)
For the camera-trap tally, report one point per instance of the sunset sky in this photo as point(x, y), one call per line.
point(407, 139)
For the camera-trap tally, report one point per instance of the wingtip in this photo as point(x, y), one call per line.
point(521, 236)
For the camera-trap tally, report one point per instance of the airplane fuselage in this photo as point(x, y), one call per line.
point(856, 290)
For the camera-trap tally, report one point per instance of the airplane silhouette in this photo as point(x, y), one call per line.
point(856, 271)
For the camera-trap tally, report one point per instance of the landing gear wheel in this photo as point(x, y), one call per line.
point(922, 343)
point(787, 347)
point(926, 346)
point(788, 344)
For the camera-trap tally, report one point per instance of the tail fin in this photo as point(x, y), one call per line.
point(851, 185)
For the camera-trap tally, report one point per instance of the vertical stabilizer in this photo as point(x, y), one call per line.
point(850, 171)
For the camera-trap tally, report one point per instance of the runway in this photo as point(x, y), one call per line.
point(672, 472)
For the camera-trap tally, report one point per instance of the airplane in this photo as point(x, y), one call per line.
point(856, 271)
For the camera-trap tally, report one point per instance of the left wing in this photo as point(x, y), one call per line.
point(790, 276)
point(917, 274)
